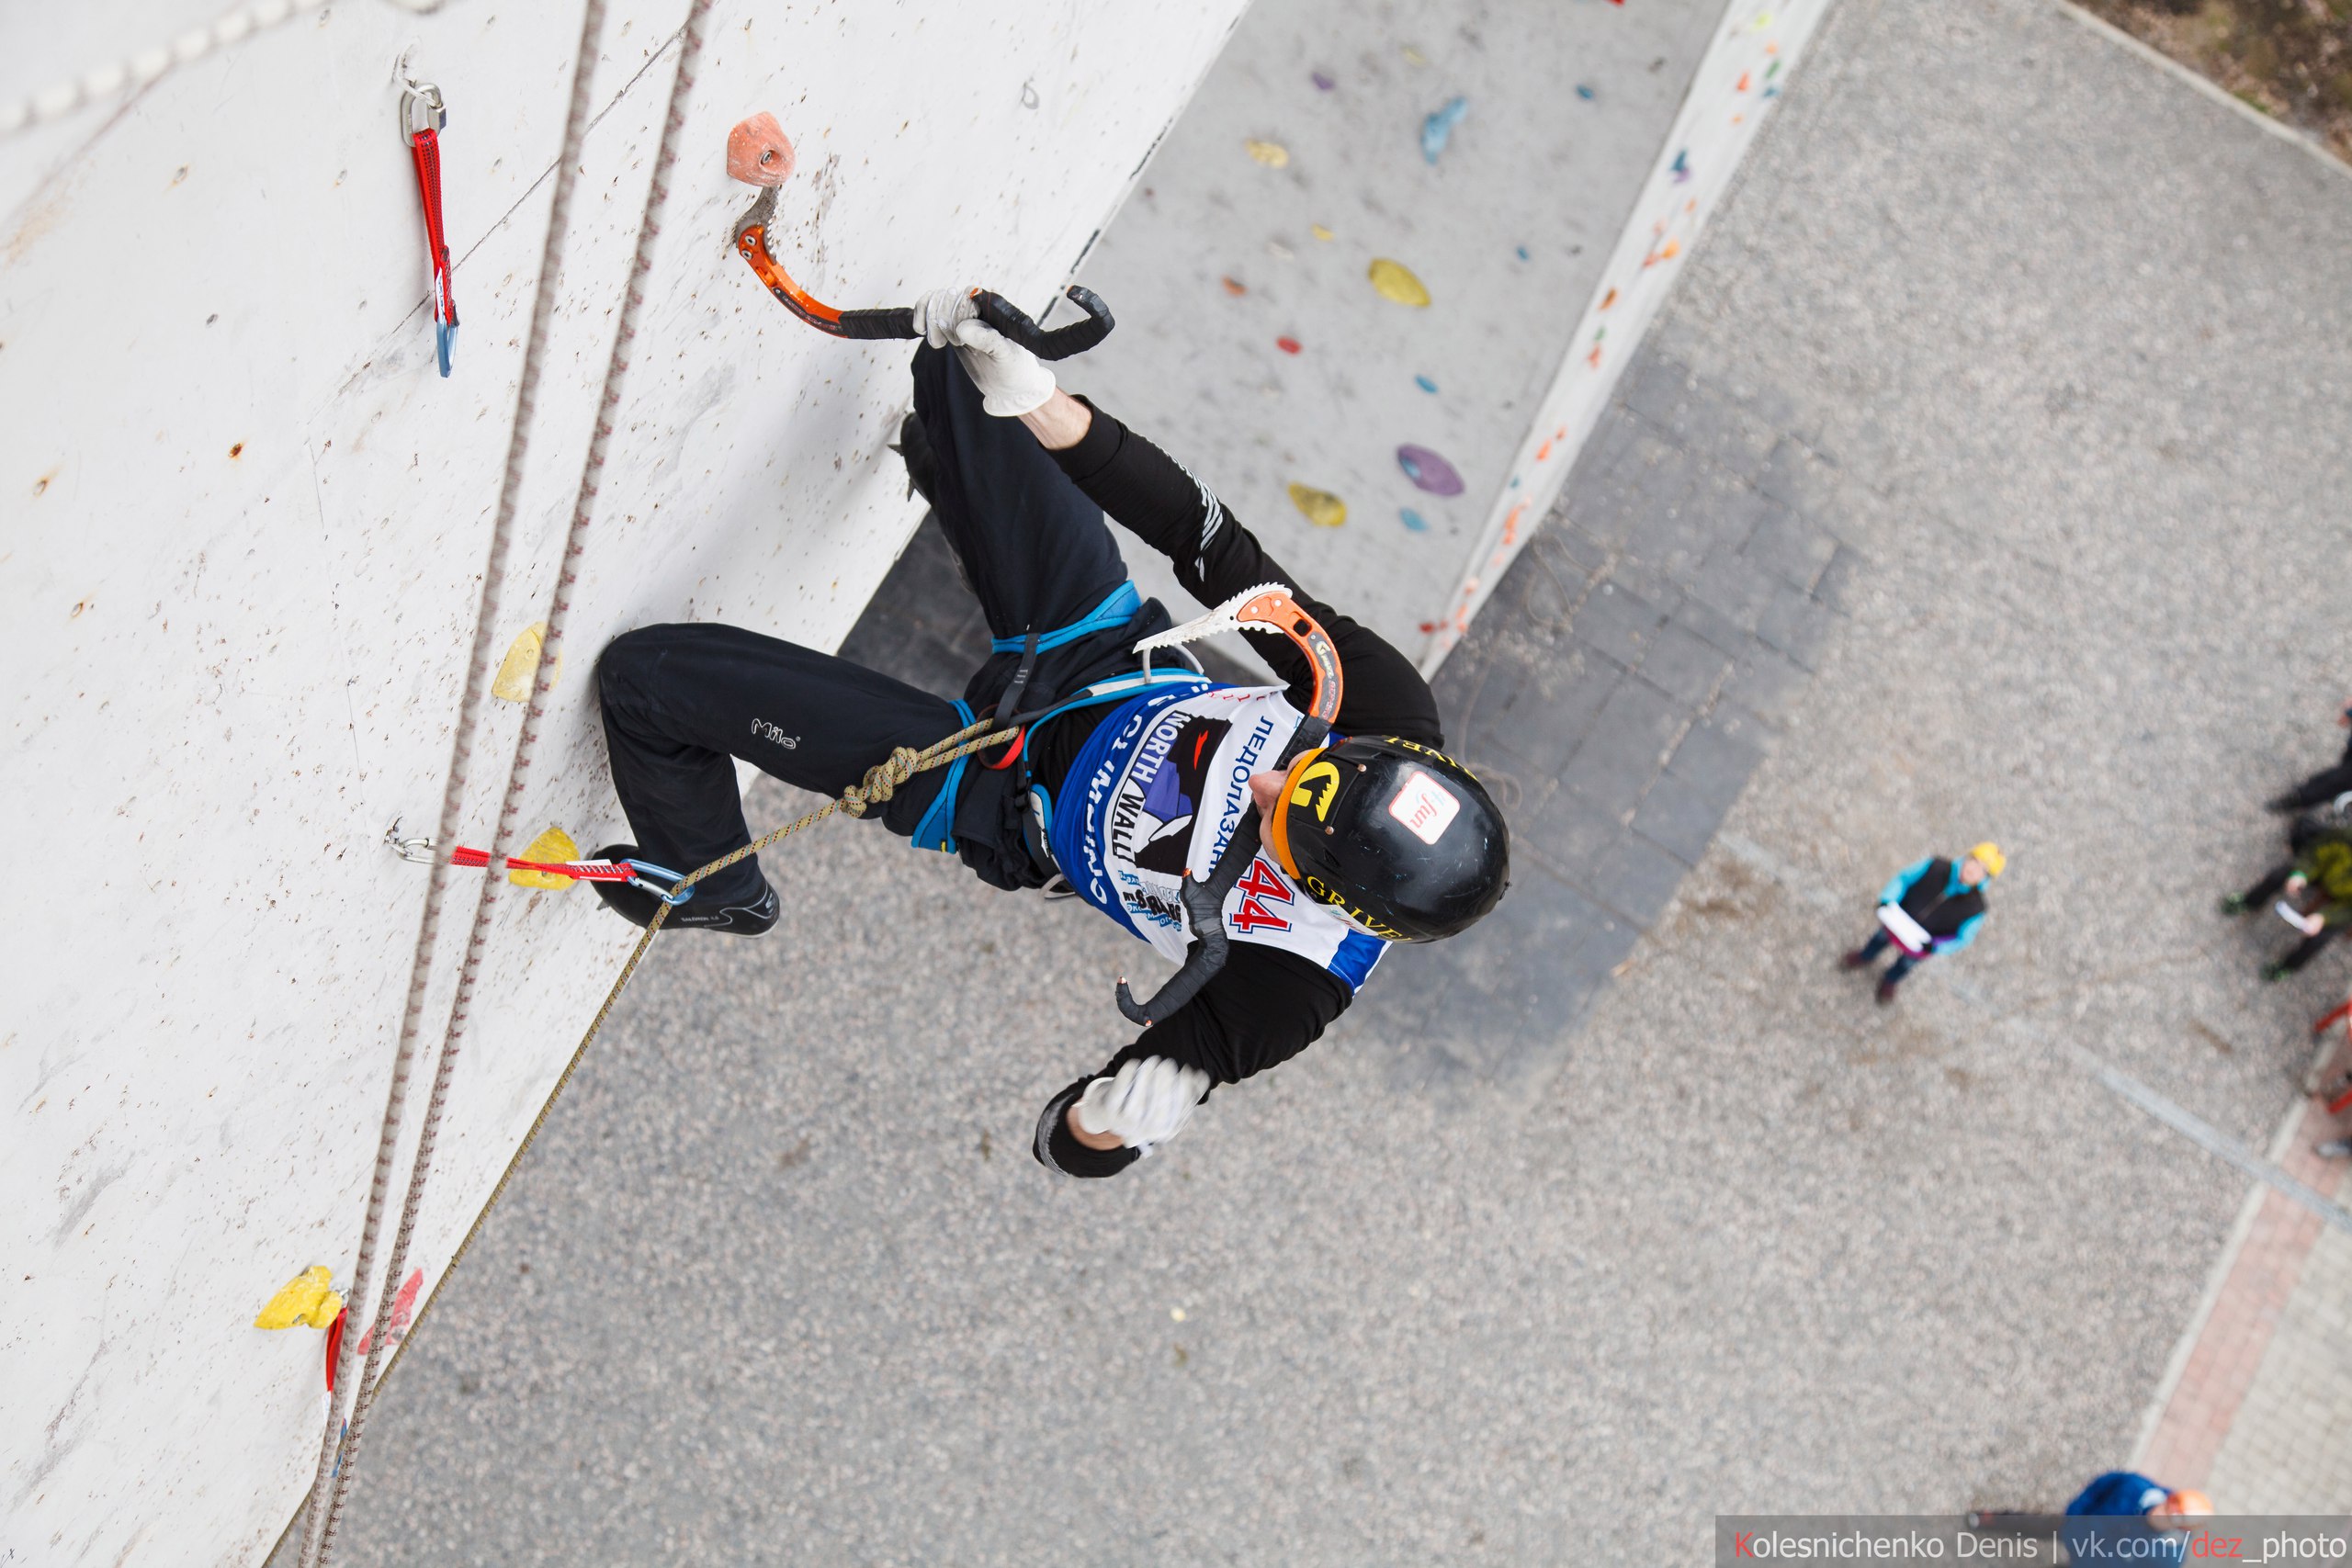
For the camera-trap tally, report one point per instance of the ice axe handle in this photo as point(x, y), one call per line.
point(893, 323)
point(1014, 323)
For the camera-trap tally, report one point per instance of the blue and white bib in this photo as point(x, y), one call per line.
point(1157, 791)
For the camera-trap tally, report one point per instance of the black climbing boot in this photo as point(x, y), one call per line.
point(635, 905)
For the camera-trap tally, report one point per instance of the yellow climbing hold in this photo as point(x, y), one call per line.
point(1396, 281)
point(1273, 154)
point(1322, 508)
point(308, 1299)
point(521, 665)
point(552, 845)
point(1320, 232)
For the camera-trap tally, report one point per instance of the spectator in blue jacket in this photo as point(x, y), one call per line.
point(1939, 902)
point(2119, 1506)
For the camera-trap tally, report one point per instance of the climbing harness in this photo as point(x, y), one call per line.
point(422, 116)
point(759, 154)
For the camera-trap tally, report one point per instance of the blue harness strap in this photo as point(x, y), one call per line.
point(1109, 615)
point(936, 830)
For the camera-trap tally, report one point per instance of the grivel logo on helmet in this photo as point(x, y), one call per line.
point(1315, 787)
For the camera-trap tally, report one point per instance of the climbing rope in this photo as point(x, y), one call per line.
point(337, 1447)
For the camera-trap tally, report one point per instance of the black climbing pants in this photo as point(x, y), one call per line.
point(680, 701)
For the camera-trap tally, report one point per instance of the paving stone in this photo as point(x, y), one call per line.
point(1617, 622)
point(1718, 429)
point(1636, 878)
point(1836, 586)
point(1684, 665)
point(1798, 476)
point(1537, 708)
point(1676, 540)
point(1625, 747)
point(1680, 818)
point(1712, 625)
point(1569, 832)
point(1575, 555)
point(1519, 983)
point(1766, 682)
point(1794, 622)
point(1789, 548)
point(1716, 757)
point(1657, 387)
point(1730, 585)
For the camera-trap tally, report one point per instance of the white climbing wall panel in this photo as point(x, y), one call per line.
point(244, 524)
point(1537, 169)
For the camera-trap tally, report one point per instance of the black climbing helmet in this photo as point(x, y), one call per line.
point(1402, 839)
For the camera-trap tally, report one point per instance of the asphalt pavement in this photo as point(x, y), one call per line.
point(1986, 478)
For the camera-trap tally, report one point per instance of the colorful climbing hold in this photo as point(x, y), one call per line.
point(1609, 298)
point(1324, 82)
point(520, 669)
point(1428, 470)
point(1586, 93)
point(1287, 344)
point(1437, 128)
point(309, 1299)
point(1413, 520)
point(1235, 288)
point(1681, 166)
point(1396, 281)
point(1743, 82)
point(555, 844)
point(1319, 232)
point(1413, 56)
point(1425, 384)
point(1321, 506)
point(1273, 154)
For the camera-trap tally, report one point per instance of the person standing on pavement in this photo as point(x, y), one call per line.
point(1935, 905)
point(2322, 787)
point(2317, 885)
point(2121, 1506)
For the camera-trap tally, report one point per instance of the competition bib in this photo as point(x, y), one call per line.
point(1157, 791)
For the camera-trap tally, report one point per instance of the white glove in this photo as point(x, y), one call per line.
point(1148, 1102)
point(940, 312)
point(1010, 379)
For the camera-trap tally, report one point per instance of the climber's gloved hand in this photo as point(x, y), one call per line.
point(940, 312)
point(1147, 1102)
point(1012, 380)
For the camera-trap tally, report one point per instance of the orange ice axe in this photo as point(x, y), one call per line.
point(758, 154)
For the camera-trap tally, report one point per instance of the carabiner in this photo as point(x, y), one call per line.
point(421, 109)
point(673, 899)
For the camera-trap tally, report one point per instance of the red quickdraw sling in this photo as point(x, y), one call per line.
point(421, 118)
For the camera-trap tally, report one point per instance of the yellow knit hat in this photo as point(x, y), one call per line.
point(1988, 855)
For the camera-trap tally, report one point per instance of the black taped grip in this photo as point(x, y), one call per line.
point(898, 323)
point(1205, 901)
point(1204, 910)
point(1059, 344)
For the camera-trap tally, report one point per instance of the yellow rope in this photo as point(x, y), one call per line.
point(882, 781)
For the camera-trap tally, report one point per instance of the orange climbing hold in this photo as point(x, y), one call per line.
point(758, 153)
